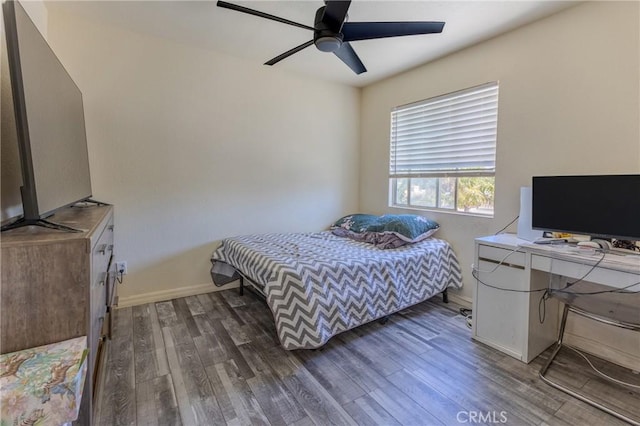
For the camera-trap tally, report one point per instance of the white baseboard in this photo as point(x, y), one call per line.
point(615, 355)
point(162, 295)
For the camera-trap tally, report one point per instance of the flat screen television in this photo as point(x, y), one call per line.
point(50, 124)
point(602, 206)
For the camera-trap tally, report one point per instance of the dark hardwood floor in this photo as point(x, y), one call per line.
point(214, 359)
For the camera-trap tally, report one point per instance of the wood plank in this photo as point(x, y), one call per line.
point(362, 374)
point(194, 305)
point(233, 299)
point(369, 354)
point(420, 368)
point(494, 388)
point(166, 314)
point(156, 403)
point(244, 402)
point(576, 412)
point(231, 349)
point(224, 306)
point(366, 411)
point(158, 340)
point(142, 332)
point(123, 324)
point(437, 404)
point(199, 390)
point(310, 394)
point(224, 400)
point(402, 408)
point(149, 355)
point(187, 416)
point(341, 387)
point(184, 315)
point(276, 400)
point(119, 406)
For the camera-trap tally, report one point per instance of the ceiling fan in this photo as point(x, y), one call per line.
point(332, 34)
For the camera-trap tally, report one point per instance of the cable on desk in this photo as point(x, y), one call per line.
point(508, 225)
point(542, 306)
point(589, 271)
point(475, 275)
point(467, 314)
point(475, 269)
point(614, 290)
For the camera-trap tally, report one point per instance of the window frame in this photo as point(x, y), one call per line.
point(395, 177)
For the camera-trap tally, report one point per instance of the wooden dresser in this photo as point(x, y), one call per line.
point(58, 285)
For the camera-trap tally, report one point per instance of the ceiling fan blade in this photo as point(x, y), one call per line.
point(289, 53)
point(335, 12)
point(353, 31)
point(350, 57)
point(243, 9)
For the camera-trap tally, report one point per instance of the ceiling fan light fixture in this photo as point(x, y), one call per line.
point(328, 43)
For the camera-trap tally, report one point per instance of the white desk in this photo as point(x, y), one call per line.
point(509, 321)
point(582, 295)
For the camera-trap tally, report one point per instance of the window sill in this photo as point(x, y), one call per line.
point(445, 211)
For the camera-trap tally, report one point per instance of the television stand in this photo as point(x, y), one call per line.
point(38, 222)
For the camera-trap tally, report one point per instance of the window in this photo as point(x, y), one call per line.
point(443, 152)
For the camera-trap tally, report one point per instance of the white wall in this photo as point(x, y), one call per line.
point(192, 146)
point(569, 104)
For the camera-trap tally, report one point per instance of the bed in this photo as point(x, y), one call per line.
point(319, 284)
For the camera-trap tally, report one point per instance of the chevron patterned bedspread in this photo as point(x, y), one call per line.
point(318, 284)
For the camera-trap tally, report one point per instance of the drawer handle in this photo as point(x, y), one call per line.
point(103, 278)
point(501, 263)
point(102, 249)
point(110, 247)
point(110, 228)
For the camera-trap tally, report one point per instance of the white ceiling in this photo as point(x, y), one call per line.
point(202, 24)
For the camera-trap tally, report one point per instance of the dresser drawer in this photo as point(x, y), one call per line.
point(102, 251)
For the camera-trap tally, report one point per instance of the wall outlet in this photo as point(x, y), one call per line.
point(121, 267)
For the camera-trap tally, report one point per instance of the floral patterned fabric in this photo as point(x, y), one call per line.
point(43, 385)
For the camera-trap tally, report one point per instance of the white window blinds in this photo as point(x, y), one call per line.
point(449, 135)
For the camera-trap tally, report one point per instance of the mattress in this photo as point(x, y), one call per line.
point(318, 285)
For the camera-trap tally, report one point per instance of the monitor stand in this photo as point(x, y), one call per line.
point(38, 222)
point(84, 203)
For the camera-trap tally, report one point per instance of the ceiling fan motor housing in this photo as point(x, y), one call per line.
point(325, 39)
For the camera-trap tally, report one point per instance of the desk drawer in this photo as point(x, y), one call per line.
point(499, 255)
point(583, 271)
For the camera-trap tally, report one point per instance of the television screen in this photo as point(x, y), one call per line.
point(49, 119)
point(605, 206)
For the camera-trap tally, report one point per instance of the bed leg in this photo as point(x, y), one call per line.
point(241, 291)
point(384, 320)
point(445, 296)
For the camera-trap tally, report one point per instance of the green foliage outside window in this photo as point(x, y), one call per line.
point(464, 194)
point(475, 193)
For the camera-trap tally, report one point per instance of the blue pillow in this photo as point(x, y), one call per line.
point(387, 231)
point(357, 223)
point(409, 227)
